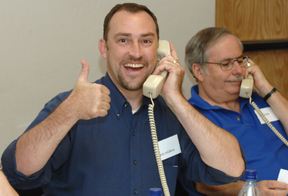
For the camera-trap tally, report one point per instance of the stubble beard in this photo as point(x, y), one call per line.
point(131, 85)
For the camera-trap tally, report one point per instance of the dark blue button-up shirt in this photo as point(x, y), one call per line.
point(113, 155)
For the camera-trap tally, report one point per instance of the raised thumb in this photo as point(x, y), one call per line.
point(83, 77)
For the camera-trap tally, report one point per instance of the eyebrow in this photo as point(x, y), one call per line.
point(130, 35)
point(233, 58)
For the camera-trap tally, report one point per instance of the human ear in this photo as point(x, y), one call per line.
point(198, 71)
point(102, 48)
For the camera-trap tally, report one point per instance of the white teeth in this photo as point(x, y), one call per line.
point(134, 65)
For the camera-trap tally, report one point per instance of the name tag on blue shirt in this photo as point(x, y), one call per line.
point(169, 147)
point(283, 176)
point(269, 114)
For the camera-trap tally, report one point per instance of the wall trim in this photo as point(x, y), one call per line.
point(256, 45)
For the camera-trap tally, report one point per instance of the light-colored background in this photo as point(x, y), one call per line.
point(42, 43)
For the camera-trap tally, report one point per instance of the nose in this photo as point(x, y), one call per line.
point(135, 50)
point(237, 69)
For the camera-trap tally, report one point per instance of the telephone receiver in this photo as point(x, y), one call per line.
point(153, 85)
point(246, 88)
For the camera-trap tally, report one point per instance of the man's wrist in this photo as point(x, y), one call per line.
point(270, 93)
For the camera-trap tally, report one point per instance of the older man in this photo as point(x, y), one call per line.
point(214, 57)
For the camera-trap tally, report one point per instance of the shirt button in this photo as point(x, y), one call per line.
point(135, 162)
point(238, 118)
point(126, 105)
point(133, 133)
point(135, 192)
point(118, 115)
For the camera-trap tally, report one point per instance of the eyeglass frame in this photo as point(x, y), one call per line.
point(233, 61)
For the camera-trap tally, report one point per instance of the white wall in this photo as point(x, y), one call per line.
point(43, 41)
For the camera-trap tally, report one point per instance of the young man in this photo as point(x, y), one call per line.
point(96, 140)
point(214, 57)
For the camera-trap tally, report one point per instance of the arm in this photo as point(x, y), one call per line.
point(35, 147)
point(218, 148)
point(5, 187)
point(231, 189)
point(267, 187)
point(277, 102)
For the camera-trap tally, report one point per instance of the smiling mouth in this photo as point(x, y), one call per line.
point(133, 65)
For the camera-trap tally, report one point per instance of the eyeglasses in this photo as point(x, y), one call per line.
point(228, 64)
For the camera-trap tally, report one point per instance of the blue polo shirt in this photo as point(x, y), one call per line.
point(113, 155)
point(264, 151)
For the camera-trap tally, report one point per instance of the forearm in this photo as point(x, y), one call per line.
point(231, 189)
point(218, 148)
point(5, 187)
point(277, 102)
point(36, 146)
point(279, 105)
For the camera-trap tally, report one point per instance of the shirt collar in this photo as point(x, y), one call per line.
point(196, 100)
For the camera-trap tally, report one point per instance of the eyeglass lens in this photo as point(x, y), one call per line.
point(229, 63)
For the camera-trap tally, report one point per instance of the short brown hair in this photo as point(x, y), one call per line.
point(129, 7)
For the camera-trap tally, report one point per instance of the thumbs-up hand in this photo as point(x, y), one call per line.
point(88, 100)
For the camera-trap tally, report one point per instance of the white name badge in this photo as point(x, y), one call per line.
point(169, 147)
point(269, 114)
point(283, 176)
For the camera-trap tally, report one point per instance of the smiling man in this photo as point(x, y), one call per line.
point(96, 139)
point(214, 57)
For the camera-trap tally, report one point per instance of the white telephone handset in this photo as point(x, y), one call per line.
point(153, 84)
point(246, 87)
point(247, 84)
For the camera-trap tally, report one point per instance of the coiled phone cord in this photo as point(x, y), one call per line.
point(267, 122)
point(156, 148)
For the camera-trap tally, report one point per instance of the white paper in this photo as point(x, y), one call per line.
point(269, 114)
point(169, 147)
point(283, 176)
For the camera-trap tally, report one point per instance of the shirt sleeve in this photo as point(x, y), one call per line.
point(43, 176)
point(193, 169)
